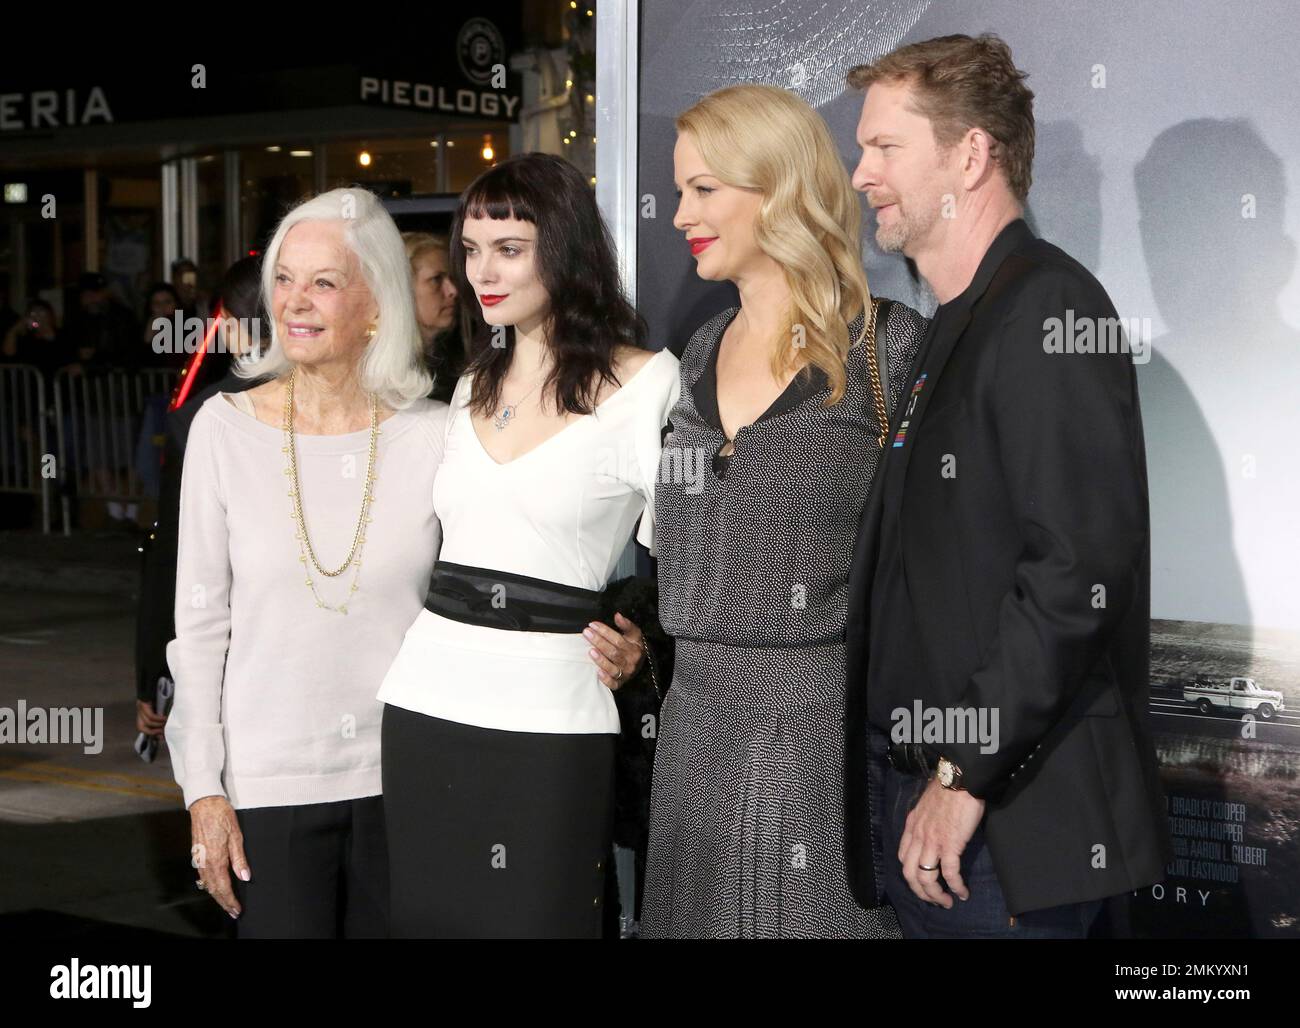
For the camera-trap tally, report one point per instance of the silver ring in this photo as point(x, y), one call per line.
point(200, 886)
point(618, 675)
point(927, 867)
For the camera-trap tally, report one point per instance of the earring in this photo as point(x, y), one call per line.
point(370, 332)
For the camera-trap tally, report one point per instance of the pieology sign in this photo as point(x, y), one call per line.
point(488, 89)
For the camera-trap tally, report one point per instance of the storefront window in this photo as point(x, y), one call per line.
point(465, 155)
point(273, 178)
point(130, 231)
point(415, 166)
point(211, 256)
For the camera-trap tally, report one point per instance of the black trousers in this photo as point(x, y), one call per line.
point(319, 871)
point(495, 834)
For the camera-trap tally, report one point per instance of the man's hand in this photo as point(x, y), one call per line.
point(937, 830)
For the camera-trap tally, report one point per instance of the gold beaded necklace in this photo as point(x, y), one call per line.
point(304, 540)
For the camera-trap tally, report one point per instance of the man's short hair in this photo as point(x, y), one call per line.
point(959, 83)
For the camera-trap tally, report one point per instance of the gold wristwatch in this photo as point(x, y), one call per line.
point(949, 774)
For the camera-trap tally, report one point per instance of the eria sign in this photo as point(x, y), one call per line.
point(53, 108)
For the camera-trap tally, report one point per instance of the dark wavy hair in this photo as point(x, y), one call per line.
point(240, 290)
point(589, 315)
point(240, 293)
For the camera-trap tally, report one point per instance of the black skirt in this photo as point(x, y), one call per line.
point(495, 834)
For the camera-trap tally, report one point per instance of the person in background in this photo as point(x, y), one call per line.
point(101, 330)
point(105, 337)
point(241, 331)
point(35, 339)
point(164, 346)
point(8, 316)
point(32, 339)
point(185, 281)
point(435, 309)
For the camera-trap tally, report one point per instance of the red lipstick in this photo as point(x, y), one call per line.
point(491, 300)
point(701, 243)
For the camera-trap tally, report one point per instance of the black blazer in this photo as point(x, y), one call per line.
point(1024, 489)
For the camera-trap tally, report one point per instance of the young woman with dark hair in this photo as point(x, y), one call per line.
point(500, 728)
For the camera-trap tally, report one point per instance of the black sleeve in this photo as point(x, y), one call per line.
point(155, 625)
point(1070, 447)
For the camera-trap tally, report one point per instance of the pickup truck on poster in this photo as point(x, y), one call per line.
point(1239, 694)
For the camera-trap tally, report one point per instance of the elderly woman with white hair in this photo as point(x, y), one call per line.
point(307, 538)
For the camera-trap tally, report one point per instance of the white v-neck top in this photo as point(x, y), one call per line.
point(563, 512)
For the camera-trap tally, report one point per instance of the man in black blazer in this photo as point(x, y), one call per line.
point(998, 620)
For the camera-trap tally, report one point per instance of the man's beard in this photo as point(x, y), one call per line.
point(894, 237)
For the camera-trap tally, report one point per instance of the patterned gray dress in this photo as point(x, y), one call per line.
point(746, 816)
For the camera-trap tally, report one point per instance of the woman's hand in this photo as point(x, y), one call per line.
point(617, 653)
point(147, 720)
point(218, 846)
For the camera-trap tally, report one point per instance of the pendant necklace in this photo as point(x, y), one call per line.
point(503, 417)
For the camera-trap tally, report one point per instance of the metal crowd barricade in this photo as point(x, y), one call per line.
point(24, 435)
point(98, 417)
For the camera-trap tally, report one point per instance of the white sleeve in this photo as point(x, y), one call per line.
point(197, 655)
point(649, 443)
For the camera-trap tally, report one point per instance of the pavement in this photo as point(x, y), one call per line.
point(91, 844)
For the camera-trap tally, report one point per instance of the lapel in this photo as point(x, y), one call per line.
point(704, 390)
point(952, 327)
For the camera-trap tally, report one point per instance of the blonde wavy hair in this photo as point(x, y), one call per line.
point(419, 243)
point(767, 139)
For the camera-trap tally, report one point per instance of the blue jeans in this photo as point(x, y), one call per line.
point(985, 914)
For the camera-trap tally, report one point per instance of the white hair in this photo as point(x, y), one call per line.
point(393, 363)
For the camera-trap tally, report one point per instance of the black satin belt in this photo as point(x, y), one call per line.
point(516, 603)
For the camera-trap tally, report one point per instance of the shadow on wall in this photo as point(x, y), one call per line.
point(1211, 197)
point(1065, 198)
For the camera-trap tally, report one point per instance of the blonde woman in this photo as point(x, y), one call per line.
point(783, 414)
point(436, 308)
